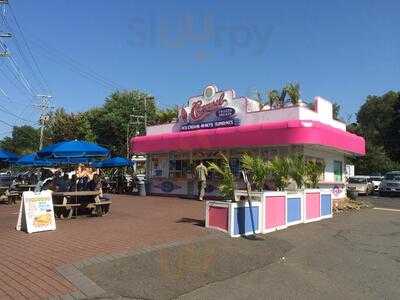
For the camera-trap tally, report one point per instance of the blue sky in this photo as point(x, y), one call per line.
point(341, 50)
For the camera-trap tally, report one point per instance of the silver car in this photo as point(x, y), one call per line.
point(390, 184)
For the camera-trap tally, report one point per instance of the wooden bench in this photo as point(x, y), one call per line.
point(99, 208)
point(99, 205)
point(63, 210)
point(10, 197)
point(13, 197)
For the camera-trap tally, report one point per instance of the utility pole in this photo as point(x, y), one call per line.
point(145, 111)
point(44, 108)
point(133, 120)
point(136, 120)
point(3, 34)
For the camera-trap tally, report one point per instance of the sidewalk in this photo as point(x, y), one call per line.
point(29, 262)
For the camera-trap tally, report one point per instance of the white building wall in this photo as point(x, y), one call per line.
point(323, 115)
point(338, 188)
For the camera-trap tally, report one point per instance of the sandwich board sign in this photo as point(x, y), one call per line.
point(36, 212)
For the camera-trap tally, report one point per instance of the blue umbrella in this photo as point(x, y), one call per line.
point(114, 162)
point(7, 156)
point(73, 149)
point(32, 160)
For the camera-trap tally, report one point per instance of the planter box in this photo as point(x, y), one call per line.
point(274, 211)
point(242, 195)
point(235, 218)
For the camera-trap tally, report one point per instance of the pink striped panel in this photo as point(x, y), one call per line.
point(313, 206)
point(275, 211)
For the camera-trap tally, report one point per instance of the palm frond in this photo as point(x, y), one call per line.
point(257, 169)
point(227, 184)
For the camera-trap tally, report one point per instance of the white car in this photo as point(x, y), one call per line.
point(376, 181)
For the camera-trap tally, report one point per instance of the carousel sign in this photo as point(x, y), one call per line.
point(211, 110)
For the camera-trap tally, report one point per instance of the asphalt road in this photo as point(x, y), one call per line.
point(392, 202)
point(354, 255)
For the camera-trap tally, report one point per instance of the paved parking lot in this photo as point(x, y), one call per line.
point(156, 248)
point(352, 256)
point(392, 202)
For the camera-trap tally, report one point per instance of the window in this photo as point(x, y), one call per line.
point(337, 170)
point(178, 168)
point(357, 180)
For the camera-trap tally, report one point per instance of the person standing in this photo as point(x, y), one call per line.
point(201, 174)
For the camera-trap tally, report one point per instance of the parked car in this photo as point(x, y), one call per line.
point(360, 184)
point(376, 181)
point(390, 184)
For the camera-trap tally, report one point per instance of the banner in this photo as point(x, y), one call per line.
point(36, 212)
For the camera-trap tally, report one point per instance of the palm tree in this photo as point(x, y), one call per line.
point(298, 170)
point(273, 98)
point(314, 170)
point(293, 90)
point(227, 183)
point(280, 169)
point(257, 168)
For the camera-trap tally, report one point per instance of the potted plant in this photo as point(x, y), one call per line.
point(313, 172)
point(227, 182)
point(231, 216)
point(257, 169)
point(298, 170)
point(280, 172)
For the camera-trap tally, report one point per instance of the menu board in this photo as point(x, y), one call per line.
point(36, 212)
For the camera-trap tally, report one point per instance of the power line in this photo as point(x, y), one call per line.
point(29, 49)
point(22, 54)
point(19, 73)
point(84, 71)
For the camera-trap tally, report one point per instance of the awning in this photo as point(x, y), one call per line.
point(255, 135)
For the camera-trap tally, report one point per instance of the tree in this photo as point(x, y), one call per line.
point(375, 161)
point(110, 123)
point(166, 115)
point(293, 90)
point(68, 126)
point(378, 121)
point(273, 98)
point(336, 111)
point(23, 140)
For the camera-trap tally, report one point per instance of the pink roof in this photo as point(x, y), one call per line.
point(255, 135)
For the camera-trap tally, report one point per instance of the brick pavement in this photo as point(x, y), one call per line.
point(28, 262)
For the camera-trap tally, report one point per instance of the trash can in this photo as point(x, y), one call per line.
point(142, 188)
point(352, 194)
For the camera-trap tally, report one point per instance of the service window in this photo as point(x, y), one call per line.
point(338, 170)
point(178, 168)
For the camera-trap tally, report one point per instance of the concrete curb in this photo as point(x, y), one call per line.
point(89, 289)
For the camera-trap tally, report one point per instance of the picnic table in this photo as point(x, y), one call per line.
point(9, 196)
point(67, 203)
point(25, 187)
